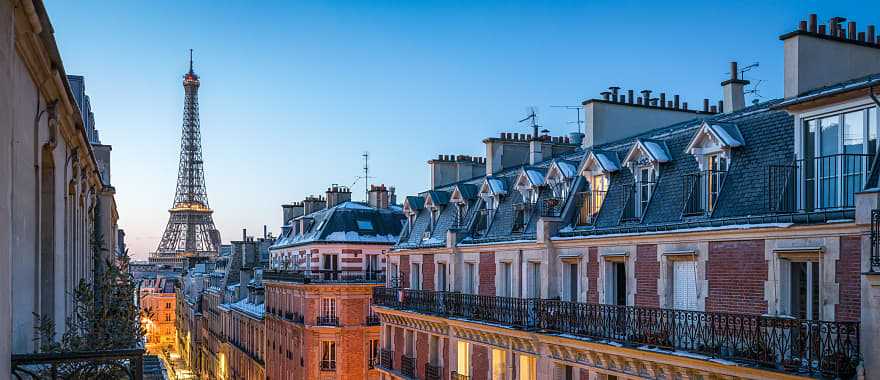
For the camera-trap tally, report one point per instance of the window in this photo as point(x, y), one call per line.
point(717, 168)
point(328, 355)
point(499, 364)
point(365, 224)
point(646, 180)
point(463, 362)
point(534, 280)
point(434, 350)
point(519, 218)
point(615, 283)
point(167, 317)
point(506, 280)
point(801, 289)
point(415, 277)
point(460, 214)
point(570, 279)
point(837, 151)
point(527, 368)
point(598, 189)
point(328, 307)
point(684, 285)
point(469, 274)
point(441, 277)
point(168, 305)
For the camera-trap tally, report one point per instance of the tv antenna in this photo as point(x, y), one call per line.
point(579, 122)
point(742, 70)
point(366, 177)
point(755, 92)
point(532, 119)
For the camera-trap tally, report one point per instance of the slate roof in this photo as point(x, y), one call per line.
point(347, 222)
point(834, 89)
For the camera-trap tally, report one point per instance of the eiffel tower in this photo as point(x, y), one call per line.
point(190, 232)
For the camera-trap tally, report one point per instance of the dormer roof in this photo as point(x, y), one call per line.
point(464, 192)
point(605, 161)
point(653, 150)
point(529, 178)
point(436, 198)
point(564, 168)
point(724, 135)
point(493, 186)
point(413, 204)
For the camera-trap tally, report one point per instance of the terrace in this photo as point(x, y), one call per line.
point(326, 276)
point(805, 347)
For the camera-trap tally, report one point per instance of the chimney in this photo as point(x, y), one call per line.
point(337, 194)
point(446, 169)
point(733, 89)
point(313, 203)
point(379, 196)
point(536, 154)
point(824, 55)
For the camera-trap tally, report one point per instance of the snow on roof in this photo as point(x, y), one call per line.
point(535, 177)
point(255, 310)
point(496, 185)
point(657, 150)
point(567, 168)
point(353, 206)
point(352, 236)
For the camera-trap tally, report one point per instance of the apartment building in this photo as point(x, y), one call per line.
point(325, 264)
point(732, 240)
point(158, 296)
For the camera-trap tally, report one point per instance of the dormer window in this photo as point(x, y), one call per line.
point(644, 159)
point(711, 147)
point(529, 183)
point(597, 169)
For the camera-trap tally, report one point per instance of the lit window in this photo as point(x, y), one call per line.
point(328, 307)
point(328, 356)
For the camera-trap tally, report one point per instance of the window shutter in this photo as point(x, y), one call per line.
point(684, 286)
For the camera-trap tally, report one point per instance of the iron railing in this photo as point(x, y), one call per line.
point(701, 191)
point(822, 183)
point(457, 376)
point(386, 359)
point(432, 372)
point(636, 197)
point(328, 365)
point(875, 241)
point(319, 276)
point(588, 204)
point(551, 207)
point(116, 364)
point(825, 348)
point(327, 320)
point(481, 222)
point(459, 217)
point(373, 320)
point(373, 361)
point(408, 365)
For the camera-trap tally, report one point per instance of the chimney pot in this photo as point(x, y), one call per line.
point(669, 104)
point(713, 109)
point(705, 105)
point(734, 70)
point(646, 95)
point(639, 100)
point(684, 106)
point(822, 29)
point(720, 106)
point(802, 26)
point(629, 96)
point(675, 101)
point(851, 30)
point(861, 36)
point(813, 22)
point(605, 95)
point(662, 99)
point(869, 32)
point(614, 90)
point(622, 98)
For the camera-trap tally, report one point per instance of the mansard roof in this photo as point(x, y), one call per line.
point(724, 134)
point(347, 222)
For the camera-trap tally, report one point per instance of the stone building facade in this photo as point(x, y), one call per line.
point(158, 296)
point(53, 196)
point(731, 241)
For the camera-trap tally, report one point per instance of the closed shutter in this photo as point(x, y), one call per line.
point(684, 286)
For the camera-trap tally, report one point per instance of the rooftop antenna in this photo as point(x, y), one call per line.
point(579, 121)
point(755, 92)
point(366, 177)
point(190, 60)
point(741, 72)
point(532, 118)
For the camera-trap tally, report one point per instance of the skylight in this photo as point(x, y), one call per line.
point(365, 224)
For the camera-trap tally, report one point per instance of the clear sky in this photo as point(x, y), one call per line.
point(293, 92)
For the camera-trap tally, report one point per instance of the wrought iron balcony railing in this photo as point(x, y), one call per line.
point(326, 276)
point(636, 196)
point(551, 207)
point(386, 359)
point(701, 191)
point(588, 204)
point(481, 223)
point(373, 320)
point(825, 348)
point(408, 365)
point(875, 241)
point(327, 320)
point(116, 364)
point(432, 372)
point(818, 184)
point(457, 376)
point(328, 365)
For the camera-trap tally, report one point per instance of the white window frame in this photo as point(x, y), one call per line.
point(328, 307)
point(641, 202)
point(415, 275)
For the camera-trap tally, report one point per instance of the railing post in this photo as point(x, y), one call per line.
point(137, 367)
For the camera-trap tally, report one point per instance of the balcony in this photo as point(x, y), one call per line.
point(701, 190)
point(292, 317)
point(818, 348)
point(386, 359)
point(326, 276)
point(552, 207)
point(432, 372)
point(117, 364)
point(821, 184)
point(373, 320)
point(457, 376)
point(408, 366)
point(588, 204)
point(328, 365)
point(327, 320)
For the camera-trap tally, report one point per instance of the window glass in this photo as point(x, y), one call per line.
point(829, 135)
point(364, 224)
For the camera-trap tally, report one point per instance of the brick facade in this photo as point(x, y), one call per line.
point(422, 353)
point(404, 269)
point(480, 362)
point(593, 275)
point(847, 276)
point(736, 271)
point(647, 273)
point(487, 273)
point(428, 272)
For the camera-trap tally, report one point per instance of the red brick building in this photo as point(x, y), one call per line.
point(667, 243)
point(325, 264)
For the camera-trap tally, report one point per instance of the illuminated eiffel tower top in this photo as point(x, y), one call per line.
point(190, 231)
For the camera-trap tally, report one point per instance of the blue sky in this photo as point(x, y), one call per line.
point(293, 92)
